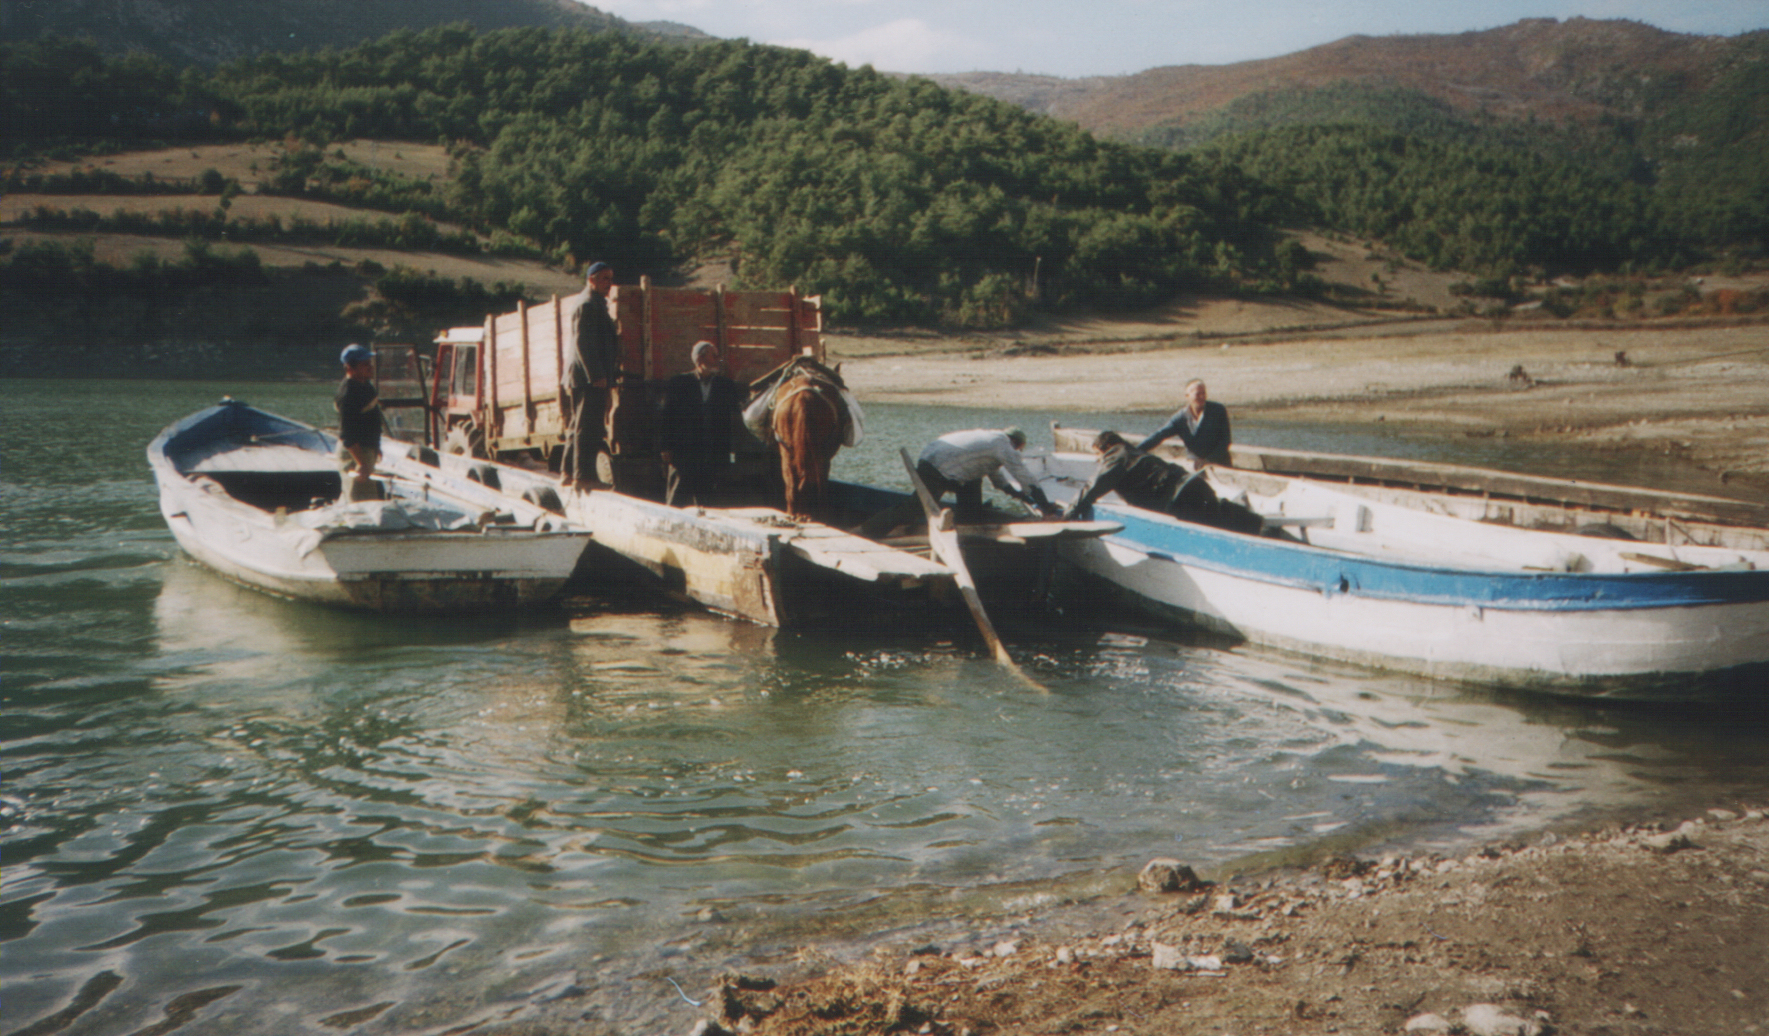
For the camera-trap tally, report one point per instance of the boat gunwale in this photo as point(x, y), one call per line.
point(1330, 571)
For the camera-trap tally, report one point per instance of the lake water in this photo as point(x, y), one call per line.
point(226, 813)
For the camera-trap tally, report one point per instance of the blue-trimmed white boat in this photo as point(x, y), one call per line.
point(1418, 582)
point(256, 497)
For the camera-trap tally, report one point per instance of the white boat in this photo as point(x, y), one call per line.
point(256, 497)
point(1435, 584)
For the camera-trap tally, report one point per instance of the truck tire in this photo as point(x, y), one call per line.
point(544, 498)
point(485, 475)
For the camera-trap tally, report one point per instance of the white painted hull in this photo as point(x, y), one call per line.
point(1602, 652)
point(390, 572)
point(407, 571)
point(1406, 589)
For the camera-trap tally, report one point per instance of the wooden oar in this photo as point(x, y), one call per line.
point(942, 535)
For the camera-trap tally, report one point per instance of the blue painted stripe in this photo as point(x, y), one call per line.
point(1285, 563)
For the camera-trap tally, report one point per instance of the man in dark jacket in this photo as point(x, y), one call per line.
point(1200, 424)
point(359, 423)
point(594, 364)
point(1153, 484)
point(700, 410)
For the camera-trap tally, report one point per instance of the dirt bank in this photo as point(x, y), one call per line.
point(1697, 392)
point(1648, 929)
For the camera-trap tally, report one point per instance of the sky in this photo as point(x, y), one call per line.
point(1075, 38)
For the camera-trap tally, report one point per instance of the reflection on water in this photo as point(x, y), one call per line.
point(226, 812)
point(427, 822)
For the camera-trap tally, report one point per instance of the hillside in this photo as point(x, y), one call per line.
point(1538, 68)
point(210, 32)
point(426, 177)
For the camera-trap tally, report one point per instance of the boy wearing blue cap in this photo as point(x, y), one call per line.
point(359, 423)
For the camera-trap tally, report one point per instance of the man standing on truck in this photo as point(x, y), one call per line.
point(594, 364)
point(700, 409)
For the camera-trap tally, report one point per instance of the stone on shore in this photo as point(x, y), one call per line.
point(1169, 875)
point(1491, 1020)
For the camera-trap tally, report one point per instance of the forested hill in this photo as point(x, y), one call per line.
point(898, 201)
point(210, 32)
point(1419, 139)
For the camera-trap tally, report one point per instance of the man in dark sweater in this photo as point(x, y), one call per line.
point(593, 366)
point(1149, 482)
point(1200, 424)
point(359, 423)
point(700, 409)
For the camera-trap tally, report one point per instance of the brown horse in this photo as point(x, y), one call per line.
point(809, 420)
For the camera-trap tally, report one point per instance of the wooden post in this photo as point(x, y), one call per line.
point(494, 417)
point(648, 362)
point(721, 327)
point(559, 355)
point(942, 535)
point(793, 338)
point(527, 374)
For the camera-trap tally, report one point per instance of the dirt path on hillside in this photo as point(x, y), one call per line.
point(1699, 393)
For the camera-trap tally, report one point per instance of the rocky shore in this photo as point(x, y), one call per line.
point(1641, 929)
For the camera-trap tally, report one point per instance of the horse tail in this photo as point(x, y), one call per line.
point(809, 434)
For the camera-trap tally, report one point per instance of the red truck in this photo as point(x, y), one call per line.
point(496, 389)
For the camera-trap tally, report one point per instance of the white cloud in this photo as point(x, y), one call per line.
point(903, 45)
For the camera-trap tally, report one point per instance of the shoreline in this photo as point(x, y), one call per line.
point(1643, 928)
point(1694, 394)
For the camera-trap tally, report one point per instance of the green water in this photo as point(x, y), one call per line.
point(272, 818)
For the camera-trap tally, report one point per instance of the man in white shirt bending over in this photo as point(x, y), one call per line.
point(957, 463)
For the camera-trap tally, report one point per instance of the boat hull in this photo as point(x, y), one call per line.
point(1634, 635)
point(390, 573)
point(412, 571)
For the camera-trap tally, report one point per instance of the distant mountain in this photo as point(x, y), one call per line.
point(209, 32)
point(1539, 68)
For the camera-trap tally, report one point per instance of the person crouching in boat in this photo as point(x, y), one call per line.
point(359, 424)
point(1153, 484)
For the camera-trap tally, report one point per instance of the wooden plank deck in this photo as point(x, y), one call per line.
point(842, 551)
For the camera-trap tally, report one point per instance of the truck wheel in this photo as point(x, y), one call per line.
point(544, 498)
point(485, 475)
point(465, 440)
point(426, 456)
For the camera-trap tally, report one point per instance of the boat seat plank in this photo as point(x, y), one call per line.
point(260, 458)
point(833, 548)
point(1668, 564)
point(1020, 532)
point(879, 563)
